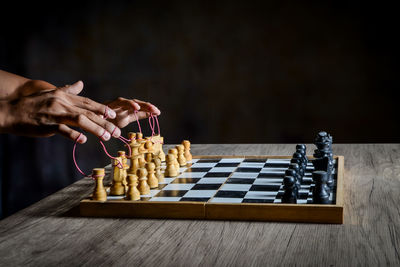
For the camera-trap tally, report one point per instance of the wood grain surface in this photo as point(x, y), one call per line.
point(51, 232)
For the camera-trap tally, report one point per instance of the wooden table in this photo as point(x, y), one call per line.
point(51, 232)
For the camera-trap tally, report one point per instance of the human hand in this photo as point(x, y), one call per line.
point(45, 112)
point(126, 108)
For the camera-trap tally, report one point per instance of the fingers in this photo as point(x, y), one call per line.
point(85, 102)
point(148, 107)
point(125, 103)
point(74, 89)
point(90, 122)
point(88, 104)
point(142, 115)
point(66, 131)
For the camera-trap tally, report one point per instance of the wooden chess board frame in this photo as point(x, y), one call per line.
point(312, 213)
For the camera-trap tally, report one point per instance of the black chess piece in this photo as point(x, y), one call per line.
point(289, 196)
point(291, 172)
point(295, 167)
point(303, 158)
point(319, 194)
point(302, 150)
point(323, 142)
point(325, 164)
point(298, 162)
point(301, 146)
point(302, 164)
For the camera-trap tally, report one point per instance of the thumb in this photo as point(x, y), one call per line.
point(74, 89)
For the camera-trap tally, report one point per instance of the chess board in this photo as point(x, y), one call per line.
point(230, 188)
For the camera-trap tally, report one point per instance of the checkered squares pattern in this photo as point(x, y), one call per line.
point(231, 180)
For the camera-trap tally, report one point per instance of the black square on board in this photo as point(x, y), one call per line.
point(249, 200)
point(208, 160)
point(228, 164)
point(171, 193)
point(271, 175)
point(206, 187)
point(277, 165)
point(218, 174)
point(255, 160)
point(240, 181)
point(197, 199)
point(231, 194)
point(185, 180)
point(265, 188)
point(195, 169)
point(245, 169)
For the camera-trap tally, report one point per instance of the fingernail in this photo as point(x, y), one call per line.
point(111, 113)
point(117, 133)
point(82, 139)
point(106, 136)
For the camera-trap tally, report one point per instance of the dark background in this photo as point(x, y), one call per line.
point(221, 72)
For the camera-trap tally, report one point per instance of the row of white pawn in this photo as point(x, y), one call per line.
point(143, 174)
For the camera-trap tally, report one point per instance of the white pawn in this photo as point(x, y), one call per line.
point(151, 178)
point(159, 174)
point(132, 193)
point(162, 154)
point(117, 188)
point(174, 152)
point(188, 155)
point(143, 187)
point(171, 170)
point(181, 157)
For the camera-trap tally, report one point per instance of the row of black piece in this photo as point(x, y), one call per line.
point(294, 175)
point(322, 174)
point(323, 168)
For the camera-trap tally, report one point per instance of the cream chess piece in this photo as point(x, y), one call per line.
point(99, 192)
point(159, 175)
point(151, 178)
point(174, 152)
point(161, 154)
point(181, 158)
point(117, 188)
point(124, 170)
point(171, 170)
point(132, 193)
point(143, 187)
point(187, 153)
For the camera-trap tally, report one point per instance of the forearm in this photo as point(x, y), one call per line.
point(9, 84)
point(3, 115)
point(13, 86)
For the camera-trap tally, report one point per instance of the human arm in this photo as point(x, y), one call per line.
point(37, 108)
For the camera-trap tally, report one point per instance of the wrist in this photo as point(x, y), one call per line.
point(4, 116)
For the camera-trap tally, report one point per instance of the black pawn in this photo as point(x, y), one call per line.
point(295, 167)
point(301, 146)
point(319, 194)
point(325, 164)
point(289, 196)
point(298, 162)
point(303, 155)
point(291, 172)
point(302, 163)
point(303, 149)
